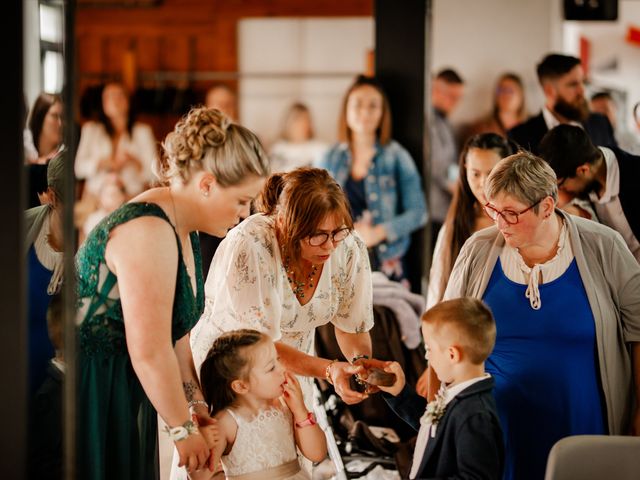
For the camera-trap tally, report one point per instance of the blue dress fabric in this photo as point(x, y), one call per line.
point(545, 368)
point(40, 347)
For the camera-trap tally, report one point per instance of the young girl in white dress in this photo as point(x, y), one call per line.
point(260, 411)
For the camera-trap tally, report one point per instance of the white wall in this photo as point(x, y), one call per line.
point(609, 49)
point(481, 39)
point(312, 60)
point(32, 73)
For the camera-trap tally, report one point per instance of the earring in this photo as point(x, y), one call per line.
point(205, 193)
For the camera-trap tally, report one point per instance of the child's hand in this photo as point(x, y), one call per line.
point(208, 428)
point(396, 388)
point(293, 397)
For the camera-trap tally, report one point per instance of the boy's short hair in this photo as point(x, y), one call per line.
point(473, 322)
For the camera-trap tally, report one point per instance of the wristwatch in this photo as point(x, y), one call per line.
point(307, 422)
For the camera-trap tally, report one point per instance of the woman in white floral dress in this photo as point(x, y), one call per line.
point(289, 269)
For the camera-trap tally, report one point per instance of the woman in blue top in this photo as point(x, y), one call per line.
point(565, 293)
point(378, 175)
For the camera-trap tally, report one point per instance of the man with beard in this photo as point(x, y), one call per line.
point(607, 176)
point(562, 81)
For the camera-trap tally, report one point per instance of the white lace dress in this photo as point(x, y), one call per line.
point(247, 287)
point(264, 448)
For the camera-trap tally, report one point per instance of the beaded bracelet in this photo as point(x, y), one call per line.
point(193, 403)
point(360, 356)
point(327, 371)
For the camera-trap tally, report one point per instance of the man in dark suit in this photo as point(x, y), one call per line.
point(459, 434)
point(562, 81)
point(607, 176)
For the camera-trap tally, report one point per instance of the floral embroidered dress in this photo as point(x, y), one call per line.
point(117, 424)
point(247, 287)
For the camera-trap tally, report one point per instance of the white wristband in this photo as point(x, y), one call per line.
point(183, 431)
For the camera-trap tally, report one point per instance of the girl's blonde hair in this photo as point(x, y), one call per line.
point(206, 139)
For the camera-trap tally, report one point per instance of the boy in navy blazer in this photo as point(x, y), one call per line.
point(459, 434)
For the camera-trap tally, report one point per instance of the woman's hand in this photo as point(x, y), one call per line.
point(340, 373)
point(293, 397)
point(193, 452)
point(371, 234)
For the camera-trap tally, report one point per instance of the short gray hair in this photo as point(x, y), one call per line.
point(525, 177)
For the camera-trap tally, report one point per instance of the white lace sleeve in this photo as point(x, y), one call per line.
point(352, 279)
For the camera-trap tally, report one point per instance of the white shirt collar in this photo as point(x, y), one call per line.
point(551, 120)
point(612, 185)
point(452, 392)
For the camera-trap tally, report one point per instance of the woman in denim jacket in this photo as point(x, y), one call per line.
point(378, 175)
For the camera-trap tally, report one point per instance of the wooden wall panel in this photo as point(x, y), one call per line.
point(180, 36)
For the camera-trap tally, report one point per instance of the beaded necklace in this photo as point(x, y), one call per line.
point(296, 286)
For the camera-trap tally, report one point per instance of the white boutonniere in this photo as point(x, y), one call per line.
point(435, 411)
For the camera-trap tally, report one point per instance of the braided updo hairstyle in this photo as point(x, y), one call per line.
point(206, 139)
point(227, 361)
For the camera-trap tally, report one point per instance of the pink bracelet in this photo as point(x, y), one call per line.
point(307, 422)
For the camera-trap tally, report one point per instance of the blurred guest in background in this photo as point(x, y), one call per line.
point(296, 146)
point(117, 143)
point(378, 175)
point(509, 107)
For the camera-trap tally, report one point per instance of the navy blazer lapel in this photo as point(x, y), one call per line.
point(433, 441)
point(478, 387)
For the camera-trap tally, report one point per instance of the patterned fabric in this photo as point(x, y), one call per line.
point(117, 423)
point(247, 287)
point(262, 442)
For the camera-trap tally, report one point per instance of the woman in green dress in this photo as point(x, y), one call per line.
point(140, 290)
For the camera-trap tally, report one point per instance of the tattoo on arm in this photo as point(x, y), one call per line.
point(190, 388)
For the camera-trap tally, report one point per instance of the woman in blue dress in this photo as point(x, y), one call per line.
point(140, 290)
point(565, 293)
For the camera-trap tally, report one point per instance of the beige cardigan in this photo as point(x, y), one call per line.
point(611, 278)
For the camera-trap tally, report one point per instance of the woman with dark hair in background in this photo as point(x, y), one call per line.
point(465, 216)
point(42, 140)
point(509, 107)
point(379, 177)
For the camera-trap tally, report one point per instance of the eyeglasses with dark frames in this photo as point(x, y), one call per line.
point(509, 216)
point(317, 239)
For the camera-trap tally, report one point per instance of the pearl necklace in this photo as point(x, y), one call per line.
point(296, 286)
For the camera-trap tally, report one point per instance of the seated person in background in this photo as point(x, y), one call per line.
point(608, 176)
point(562, 80)
point(379, 177)
point(509, 107)
point(296, 146)
point(117, 143)
point(459, 434)
point(603, 102)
